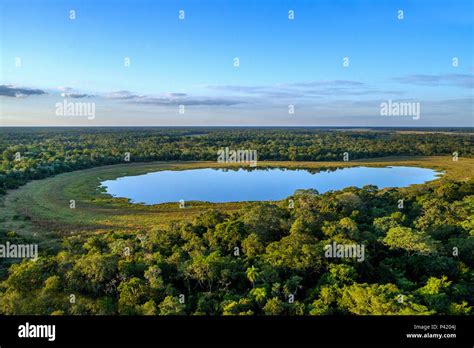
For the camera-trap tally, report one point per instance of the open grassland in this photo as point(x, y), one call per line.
point(41, 209)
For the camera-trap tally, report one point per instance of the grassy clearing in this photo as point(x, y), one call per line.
point(40, 209)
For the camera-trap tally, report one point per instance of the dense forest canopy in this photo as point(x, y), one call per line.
point(269, 258)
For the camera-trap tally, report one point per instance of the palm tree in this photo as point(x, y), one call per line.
point(259, 293)
point(252, 274)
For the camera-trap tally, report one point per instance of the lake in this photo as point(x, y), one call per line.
point(222, 185)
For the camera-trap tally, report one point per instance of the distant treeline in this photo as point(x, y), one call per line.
point(35, 153)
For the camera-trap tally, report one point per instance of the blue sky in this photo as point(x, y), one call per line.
point(283, 62)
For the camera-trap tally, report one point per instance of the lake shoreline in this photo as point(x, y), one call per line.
point(40, 209)
point(256, 183)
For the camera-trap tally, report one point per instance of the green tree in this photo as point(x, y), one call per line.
point(252, 274)
point(407, 239)
point(171, 306)
point(259, 294)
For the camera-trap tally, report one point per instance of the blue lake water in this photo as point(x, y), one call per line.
point(221, 185)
